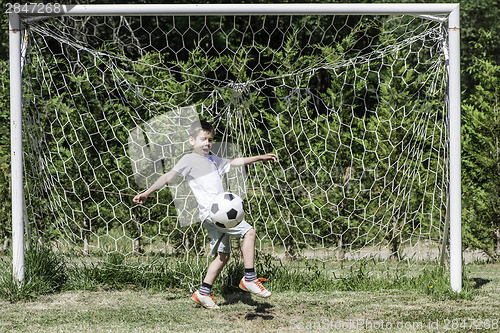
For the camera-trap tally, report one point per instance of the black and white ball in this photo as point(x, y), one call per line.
point(227, 210)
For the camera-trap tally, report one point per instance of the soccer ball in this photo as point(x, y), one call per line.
point(227, 210)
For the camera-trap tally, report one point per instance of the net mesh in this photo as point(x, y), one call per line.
point(354, 107)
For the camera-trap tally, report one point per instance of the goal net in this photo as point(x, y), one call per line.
point(355, 107)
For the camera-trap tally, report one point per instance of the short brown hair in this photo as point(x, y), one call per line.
point(200, 125)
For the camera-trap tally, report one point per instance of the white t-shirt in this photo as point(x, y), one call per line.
point(204, 177)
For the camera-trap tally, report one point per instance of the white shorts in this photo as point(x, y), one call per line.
point(220, 237)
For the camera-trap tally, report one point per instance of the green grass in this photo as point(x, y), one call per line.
point(60, 296)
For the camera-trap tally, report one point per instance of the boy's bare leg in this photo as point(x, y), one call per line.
point(216, 267)
point(203, 295)
point(248, 248)
point(250, 282)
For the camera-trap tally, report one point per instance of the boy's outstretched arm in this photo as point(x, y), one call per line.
point(158, 185)
point(241, 161)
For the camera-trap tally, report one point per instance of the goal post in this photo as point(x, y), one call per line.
point(16, 147)
point(35, 12)
point(455, 152)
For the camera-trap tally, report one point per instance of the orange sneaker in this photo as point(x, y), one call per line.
point(207, 301)
point(255, 287)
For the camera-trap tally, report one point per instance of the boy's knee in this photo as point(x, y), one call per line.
point(250, 234)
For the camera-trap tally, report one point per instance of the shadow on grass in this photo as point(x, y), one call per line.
point(261, 310)
point(478, 283)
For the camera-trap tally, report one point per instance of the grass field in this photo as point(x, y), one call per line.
point(142, 310)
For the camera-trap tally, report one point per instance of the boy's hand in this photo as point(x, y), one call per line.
point(140, 198)
point(269, 157)
point(241, 161)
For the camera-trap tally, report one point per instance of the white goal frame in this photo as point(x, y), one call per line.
point(34, 11)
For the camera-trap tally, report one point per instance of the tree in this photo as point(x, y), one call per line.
point(480, 55)
point(481, 150)
point(5, 195)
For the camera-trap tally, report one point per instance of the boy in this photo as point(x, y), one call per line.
point(203, 172)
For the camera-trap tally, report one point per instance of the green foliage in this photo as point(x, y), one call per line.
point(314, 111)
point(115, 276)
point(84, 141)
point(435, 281)
point(478, 17)
point(481, 149)
point(5, 195)
point(45, 272)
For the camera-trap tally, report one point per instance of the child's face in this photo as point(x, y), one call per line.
point(202, 143)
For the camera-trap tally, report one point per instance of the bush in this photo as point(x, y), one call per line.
point(45, 273)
